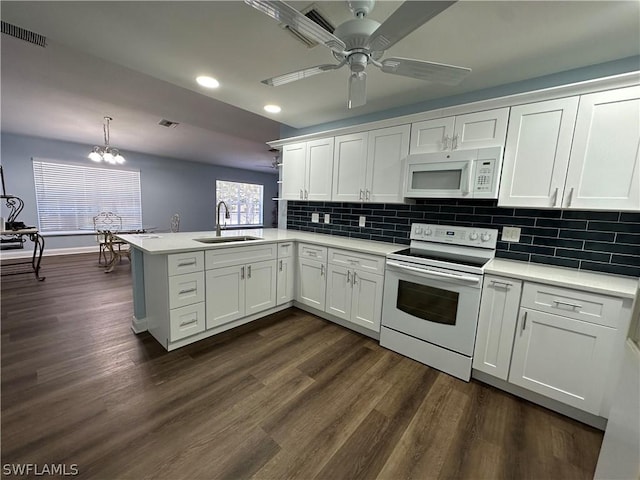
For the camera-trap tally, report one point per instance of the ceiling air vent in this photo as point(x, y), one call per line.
point(313, 14)
point(22, 34)
point(168, 123)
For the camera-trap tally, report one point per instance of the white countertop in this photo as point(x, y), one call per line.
point(164, 243)
point(604, 283)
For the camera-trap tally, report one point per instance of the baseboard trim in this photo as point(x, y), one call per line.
point(28, 252)
point(138, 325)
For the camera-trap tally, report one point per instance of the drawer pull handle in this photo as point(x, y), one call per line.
point(501, 284)
point(188, 290)
point(186, 264)
point(524, 321)
point(312, 254)
point(568, 304)
point(190, 322)
point(249, 271)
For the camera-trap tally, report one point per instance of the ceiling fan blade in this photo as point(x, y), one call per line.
point(429, 71)
point(299, 74)
point(284, 13)
point(409, 16)
point(357, 89)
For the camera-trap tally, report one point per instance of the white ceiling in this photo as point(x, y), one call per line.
point(137, 61)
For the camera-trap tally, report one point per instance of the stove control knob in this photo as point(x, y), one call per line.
point(419, 230)
point(428, 232)
point(485, 237)
point(473, 236)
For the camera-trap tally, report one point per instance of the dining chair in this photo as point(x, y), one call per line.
point(104, 224)
point(175, 223)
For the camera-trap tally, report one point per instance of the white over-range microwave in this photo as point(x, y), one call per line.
point(457, 174)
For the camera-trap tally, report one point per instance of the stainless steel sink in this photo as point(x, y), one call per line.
point(226, 239)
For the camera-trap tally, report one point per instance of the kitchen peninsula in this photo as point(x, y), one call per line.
point(191, 285)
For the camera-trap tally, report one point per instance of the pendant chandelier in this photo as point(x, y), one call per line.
point(106, 153)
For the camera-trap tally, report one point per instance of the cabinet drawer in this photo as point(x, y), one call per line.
point(227, 257)
point(314, 252)
point(361, 261)
point(186, 289)
point(585, 306)
point(186, 321)
point(187, 262)
point(285, 250)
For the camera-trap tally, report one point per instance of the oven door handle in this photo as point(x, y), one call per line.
point(435, 273)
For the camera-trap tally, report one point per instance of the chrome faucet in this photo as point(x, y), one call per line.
point(226, 215)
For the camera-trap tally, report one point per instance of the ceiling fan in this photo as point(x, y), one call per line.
point(362, 41)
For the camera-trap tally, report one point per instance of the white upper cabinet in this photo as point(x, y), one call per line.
point(307, 169)
point(574, 154)
point(604, 168)
point(462, 132)
point(293, 170)
point(349, 166)
point(368, 166)
point(387, 150)
point(537, 152)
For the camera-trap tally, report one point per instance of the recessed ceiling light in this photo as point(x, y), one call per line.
point(208, 82)
point(272, 108)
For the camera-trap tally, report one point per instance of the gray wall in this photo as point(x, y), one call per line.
point(168, 185)
point(624, 65)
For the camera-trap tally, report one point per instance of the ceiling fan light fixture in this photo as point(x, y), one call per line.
point(207, 82)
point(272, 108)
point(106, 153)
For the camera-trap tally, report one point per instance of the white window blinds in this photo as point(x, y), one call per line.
point(68, 196)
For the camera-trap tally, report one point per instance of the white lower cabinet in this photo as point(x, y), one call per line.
point(285, 288)
point(557, 342)
point(312, 284)
point(562, 358)
point(238, 291)
point(355, 296)
point(496, 325)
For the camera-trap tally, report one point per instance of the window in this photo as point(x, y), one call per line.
point(68, 196)
point(244, 201)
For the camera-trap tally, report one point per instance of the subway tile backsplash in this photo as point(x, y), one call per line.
point(606, 242)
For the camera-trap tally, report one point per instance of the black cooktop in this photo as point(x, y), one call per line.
point(442, 257)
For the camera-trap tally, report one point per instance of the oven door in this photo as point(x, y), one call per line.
point(432, 304)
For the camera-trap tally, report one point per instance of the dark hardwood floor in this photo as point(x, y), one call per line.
point(290, 396)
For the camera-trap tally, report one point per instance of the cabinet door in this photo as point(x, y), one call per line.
point(537, 152)
point(319, 174)
point(562, 358)
point(312, 283)
point(339, 291)
point(260, 286)
point(349, 166)
point(367, 299)
point(285, 287)
point(480, 129)
point(293, 171)
point(224, 295)
point(431, 135)
point(499, 307)
point(604, 168)
point(388, 148)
